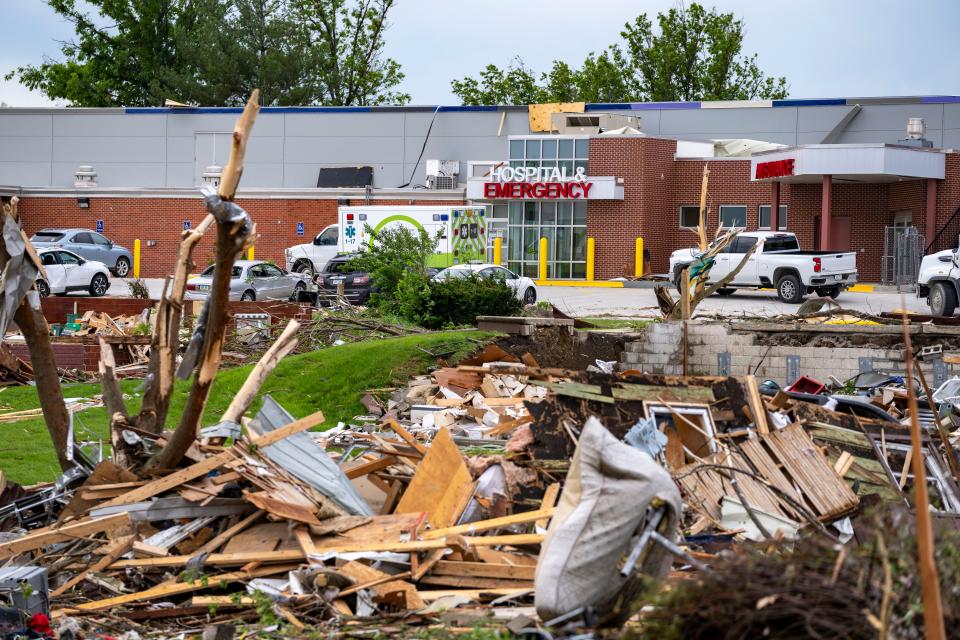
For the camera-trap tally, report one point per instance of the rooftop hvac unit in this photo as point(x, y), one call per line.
point(591, 123)
point(442, 174)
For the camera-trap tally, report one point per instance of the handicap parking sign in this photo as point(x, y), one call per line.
point(300, 229)
point(99, 226)
point(186, 225)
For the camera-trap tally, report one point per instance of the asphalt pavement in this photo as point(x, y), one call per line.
point(628, 302)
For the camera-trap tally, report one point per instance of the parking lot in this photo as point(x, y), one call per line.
point(628, 302)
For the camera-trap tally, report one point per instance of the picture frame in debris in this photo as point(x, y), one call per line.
point(700, 441)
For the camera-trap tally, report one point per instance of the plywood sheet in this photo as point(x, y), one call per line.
point(439, 484)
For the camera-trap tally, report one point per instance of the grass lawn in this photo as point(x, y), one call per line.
point(618, 323)
point(331, 380)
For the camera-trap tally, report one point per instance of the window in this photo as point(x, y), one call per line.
point(270, 271)
point(568, 154)
point(99, 239)
point(68, 258)
point(733, 216)
point(47, 236)
point(690, 217)
point(781, 243)
point(327, 237)
point(83, 238)
point(742, 244)
point(765, 217)
point(48, 259)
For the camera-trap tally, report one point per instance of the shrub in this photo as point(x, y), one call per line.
point(458, 302)
point(393, 252)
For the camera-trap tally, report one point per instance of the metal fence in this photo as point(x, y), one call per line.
point(902, 252)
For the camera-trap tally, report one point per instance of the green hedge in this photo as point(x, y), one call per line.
point(454, 302)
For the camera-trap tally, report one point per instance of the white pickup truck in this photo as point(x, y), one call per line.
point(778, 263)
point(939, 281)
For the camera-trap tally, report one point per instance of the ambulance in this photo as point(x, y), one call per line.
point(462, 232)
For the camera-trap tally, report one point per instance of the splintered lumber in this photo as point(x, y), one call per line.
point(474, 582)
point(406, 436)
point(175, 588)
point(758, 411)
point(549, 501)
point(303, 424)
point(224, 537)
point(280, 348)
point(331, 546)
point(486, 525)
point(175, 479)
point(109, 524)
point(371, 466)
point(441, 484)
point(117, 549)
point(282, 508)
point(362, 574)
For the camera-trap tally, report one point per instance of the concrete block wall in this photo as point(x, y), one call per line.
point(660, 352)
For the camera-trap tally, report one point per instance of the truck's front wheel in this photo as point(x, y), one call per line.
point(942, 299)
point(790, 289)
point(302, 266)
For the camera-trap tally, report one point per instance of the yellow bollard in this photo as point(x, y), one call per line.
point(497, 250)
point(543, 258)
point(136, 258)
point(250, 253)
point(638, 259)
point(590, 254)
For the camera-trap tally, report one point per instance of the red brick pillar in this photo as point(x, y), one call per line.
point(930, 227)
point(774, 205)
point(825, 213)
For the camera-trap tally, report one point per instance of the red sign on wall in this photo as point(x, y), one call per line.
point(537, 190)
point(774, 169)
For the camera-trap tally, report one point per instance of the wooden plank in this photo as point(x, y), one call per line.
point(372, 466)
point(361, 574)
point(654, 392)
point(439, 484)
point(406, 436)
point(333, 546)
point(486, 525)
point(173, 480)
point(473, 594)
point(225, 536)
point(302, 535)
point(266, 536)
point(484, 570)
point(167, 589)
point(758, 410)
point(475, 583)
point(303, 424)
point(755, 452)
point(549, 501)
point(110, 524)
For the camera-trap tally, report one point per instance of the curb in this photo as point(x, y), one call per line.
point(601, 284)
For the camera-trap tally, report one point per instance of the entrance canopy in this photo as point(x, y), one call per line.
point(850, 163)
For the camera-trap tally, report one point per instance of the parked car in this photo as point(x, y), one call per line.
point(87, 244)
point(939, 281)
point(252, 280)
point(357, 285)
point(67, 272)
point(778, 263)
point(523, 287)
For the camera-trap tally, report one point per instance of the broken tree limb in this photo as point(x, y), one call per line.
point(234, 228)
point(113, 401)
point(286, 343)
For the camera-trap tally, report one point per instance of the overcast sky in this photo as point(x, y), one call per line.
point(825, 48)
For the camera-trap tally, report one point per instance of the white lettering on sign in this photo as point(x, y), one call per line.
point(537, 174)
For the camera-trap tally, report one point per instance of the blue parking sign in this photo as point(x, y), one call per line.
point(300, 229)
point(186, 225)
point(99, 226)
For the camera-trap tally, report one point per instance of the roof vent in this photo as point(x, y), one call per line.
point(916, 134)
point(84, 176)
point(211, 175)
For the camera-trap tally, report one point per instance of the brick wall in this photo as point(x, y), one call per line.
point(161, 220)
point(55, 309)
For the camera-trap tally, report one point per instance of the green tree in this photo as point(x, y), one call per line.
point(694, 54)
point(214, 52)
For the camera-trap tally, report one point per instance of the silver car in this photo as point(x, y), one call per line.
point(87, 244)
point(252, 280)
